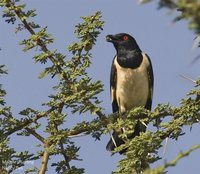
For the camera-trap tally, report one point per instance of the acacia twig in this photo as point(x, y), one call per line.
point(162, 169)
point(27, 122)
point(35, 134)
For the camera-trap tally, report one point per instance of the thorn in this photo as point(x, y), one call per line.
point(111, 136)
point(78, 135)
point(165, 146)
point(123, 130)
point(144, 124)
point(196, 42)
point(188, 78)
point(195, 60)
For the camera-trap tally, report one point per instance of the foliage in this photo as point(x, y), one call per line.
point(138, 157)
point(77, 93)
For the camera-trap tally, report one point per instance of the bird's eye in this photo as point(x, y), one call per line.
point(125, 38)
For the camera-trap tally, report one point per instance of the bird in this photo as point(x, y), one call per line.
point(131, 82)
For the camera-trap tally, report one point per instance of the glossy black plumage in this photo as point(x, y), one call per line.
point(131, 81)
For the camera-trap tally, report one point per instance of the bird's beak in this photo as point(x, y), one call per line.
point(110, 38)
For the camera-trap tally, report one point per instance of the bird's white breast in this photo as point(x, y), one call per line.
point(132, 86)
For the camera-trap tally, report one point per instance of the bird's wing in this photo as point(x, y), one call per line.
point(113, 82)
point(151, 82)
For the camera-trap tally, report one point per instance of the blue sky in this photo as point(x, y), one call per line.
point(168, 45)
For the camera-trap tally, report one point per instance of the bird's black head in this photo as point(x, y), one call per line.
point(123, 41)
point(129, 54)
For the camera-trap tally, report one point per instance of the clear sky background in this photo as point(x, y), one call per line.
point(168, 45)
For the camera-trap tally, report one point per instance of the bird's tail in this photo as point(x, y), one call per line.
point(115, 141)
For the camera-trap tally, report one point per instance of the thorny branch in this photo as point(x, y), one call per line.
point(26, 123)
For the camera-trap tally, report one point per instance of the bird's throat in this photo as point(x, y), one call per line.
point(130, 59)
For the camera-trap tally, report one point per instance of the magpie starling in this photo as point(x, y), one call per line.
point(131, 82)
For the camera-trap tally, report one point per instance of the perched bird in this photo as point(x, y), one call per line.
point(131, 82)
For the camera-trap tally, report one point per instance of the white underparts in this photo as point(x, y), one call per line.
point(132, 88)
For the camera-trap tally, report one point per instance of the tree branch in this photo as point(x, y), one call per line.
point(45, 159)
point(61, 143)
point(27, 122)
point(35, 134)
point(64, 155)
